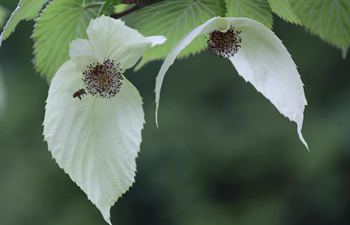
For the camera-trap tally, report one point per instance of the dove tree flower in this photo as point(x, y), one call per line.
point(259, 57)
point(94, 116)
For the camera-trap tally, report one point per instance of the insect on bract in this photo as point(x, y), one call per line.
point(79, 94)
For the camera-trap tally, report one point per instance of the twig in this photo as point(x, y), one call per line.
point(126, 12)
point(132, 9)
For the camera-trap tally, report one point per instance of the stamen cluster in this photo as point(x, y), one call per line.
point(224, 44)
point(103, 80)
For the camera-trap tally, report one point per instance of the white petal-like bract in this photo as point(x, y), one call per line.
point(96, 141)
point(262, 60)
point(266, 64)
point(112, 39)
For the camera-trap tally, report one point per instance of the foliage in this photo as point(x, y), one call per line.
point(284, 10)
point(60, 23)
point(2, 15)
point(26, 10)
point(328, 19)
point(256, 9)
point(173, 19)
point(64, 20)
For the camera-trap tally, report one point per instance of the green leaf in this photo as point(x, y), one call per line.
point(284, 10)
point(258, 10)
point(329, 19)
point(26, 10)
point(173, 19)
point(60, 23)
point(2, 15)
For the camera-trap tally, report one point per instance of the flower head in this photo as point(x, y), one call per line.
point(96, 140)
point(259, 57)
point(103, 79)
point(224, 44)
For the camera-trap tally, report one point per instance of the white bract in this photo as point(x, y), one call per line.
point(260, 58)
point(96, 139)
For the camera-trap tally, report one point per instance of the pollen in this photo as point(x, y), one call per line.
point(225, 44)
point(103, 79)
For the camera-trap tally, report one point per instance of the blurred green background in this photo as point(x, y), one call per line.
point(222, 155)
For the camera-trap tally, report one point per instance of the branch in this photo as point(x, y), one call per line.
point(126, 12)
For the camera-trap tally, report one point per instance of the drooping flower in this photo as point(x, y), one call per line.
point(94, 115)
point(259, 57)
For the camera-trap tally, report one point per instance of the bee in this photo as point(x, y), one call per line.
point(79, 94)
